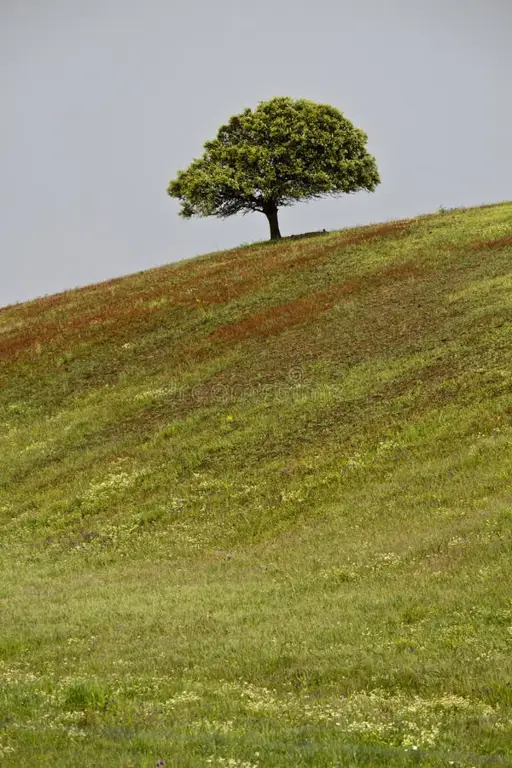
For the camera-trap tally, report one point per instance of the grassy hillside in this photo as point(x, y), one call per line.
point(256, 507)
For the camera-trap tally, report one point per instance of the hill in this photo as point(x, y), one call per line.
point(256, 506)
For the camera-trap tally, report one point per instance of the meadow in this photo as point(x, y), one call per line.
point(256, 507)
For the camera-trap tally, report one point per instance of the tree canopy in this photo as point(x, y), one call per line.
point(283, 151)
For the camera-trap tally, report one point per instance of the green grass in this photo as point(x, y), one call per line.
point(256, 507)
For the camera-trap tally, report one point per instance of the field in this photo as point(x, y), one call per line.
point(256, 507)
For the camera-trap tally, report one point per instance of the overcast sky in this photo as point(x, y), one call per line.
point(102, 101)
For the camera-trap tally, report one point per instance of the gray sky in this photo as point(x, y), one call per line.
point(102, 101)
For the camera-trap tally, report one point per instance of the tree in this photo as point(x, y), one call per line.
point(282, 152)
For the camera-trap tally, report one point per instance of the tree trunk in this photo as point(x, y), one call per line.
point(271, 214)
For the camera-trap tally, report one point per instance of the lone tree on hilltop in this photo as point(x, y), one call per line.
point(283, 151)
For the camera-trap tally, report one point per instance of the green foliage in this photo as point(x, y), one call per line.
point(281, 152)
point(86, 695)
